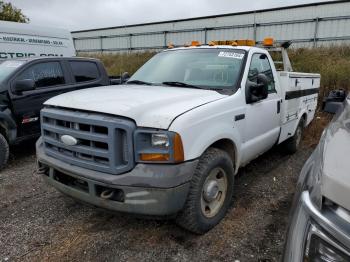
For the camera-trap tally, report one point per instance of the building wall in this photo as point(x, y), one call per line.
point(307, 25)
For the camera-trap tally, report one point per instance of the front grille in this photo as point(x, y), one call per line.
point(104, 143)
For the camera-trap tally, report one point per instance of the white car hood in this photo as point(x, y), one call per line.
point(148, 106)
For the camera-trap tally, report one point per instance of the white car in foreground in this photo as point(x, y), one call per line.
point(320, 223)
point(170, 141)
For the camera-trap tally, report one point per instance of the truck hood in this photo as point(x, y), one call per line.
point(148, 106)
point(335, 184)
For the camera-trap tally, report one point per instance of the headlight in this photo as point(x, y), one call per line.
point(317, 235)
point(153, 146)
point(321, 248)
point(160, 140)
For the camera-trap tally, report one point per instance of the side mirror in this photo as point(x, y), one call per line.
point(24, 85)
point(125, 77)
point(257, 91)
point(334, 101)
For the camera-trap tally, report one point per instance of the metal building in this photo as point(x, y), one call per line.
point(307, 25)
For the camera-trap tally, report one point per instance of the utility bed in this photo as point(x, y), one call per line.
point(300, 94)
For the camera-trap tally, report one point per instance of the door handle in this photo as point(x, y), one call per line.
point(278, 107)
point(296, 82)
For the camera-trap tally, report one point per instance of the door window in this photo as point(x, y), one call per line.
point(44, 74)
point(260, 65)
point(84, 71)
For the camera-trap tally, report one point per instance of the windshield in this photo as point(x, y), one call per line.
point(203, 68)
point(7, 67)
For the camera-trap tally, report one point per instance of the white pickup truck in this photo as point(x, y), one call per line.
point(170, 141)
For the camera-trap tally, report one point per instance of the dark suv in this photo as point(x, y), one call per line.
point(26, 84)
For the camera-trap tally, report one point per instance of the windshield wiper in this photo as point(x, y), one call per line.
point(181, 84)
point(139, 82)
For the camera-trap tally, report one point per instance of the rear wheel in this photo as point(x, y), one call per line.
point(292, 144)
point(4, 151)
point(210, 193)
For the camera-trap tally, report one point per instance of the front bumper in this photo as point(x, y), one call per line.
point(148, 189)
point(325, 223)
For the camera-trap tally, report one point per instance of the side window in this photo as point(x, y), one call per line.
point(44, 74)
point(260, 65)
point(84, 71)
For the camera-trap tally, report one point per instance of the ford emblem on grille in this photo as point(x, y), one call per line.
point(69, 140)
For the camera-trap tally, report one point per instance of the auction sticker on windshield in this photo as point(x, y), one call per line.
point(231, 55)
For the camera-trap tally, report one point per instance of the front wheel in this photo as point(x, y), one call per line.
point(210, 192)
point(4, 151)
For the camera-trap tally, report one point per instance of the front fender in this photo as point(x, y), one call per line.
point(202, 127)
point(206, 139)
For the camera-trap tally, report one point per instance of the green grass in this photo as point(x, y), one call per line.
point(333, 63)
point(116, 64)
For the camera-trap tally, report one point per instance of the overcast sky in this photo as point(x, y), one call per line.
point(88, 14)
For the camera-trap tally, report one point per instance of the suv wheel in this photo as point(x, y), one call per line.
point(4, 151)
point(210, 192)
point(292, 144)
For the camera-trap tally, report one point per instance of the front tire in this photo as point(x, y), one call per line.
point(210, 192)
point(4, 151)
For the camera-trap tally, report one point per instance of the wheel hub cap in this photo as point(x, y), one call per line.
point(214, 192)
point(211, 191)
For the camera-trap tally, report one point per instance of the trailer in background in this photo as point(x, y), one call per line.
point(19, 40)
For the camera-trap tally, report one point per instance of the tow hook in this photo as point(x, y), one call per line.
point(107, 194)
point(42, 170)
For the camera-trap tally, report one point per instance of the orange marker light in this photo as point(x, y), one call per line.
point(154, 157)
point(195, 43)
point(269, 41)
point(250, 42)
point(178, 149)
point(246, 42)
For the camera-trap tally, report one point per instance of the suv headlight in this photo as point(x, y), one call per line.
point(157, 146)
point(320, 247)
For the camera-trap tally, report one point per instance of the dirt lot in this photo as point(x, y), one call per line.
point(39, 224)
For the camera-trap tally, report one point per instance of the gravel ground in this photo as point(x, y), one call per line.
point(39, 224)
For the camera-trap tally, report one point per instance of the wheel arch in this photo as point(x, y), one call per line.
point(3, 130)
point(229, 147)
point(8, 127)
point(304, 118)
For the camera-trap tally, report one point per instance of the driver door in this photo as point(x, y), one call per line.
point(49, 79)
point(262, 123)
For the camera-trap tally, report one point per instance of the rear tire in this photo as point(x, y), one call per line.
point(293, 144)
point(4, 151)
point(210, 193)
